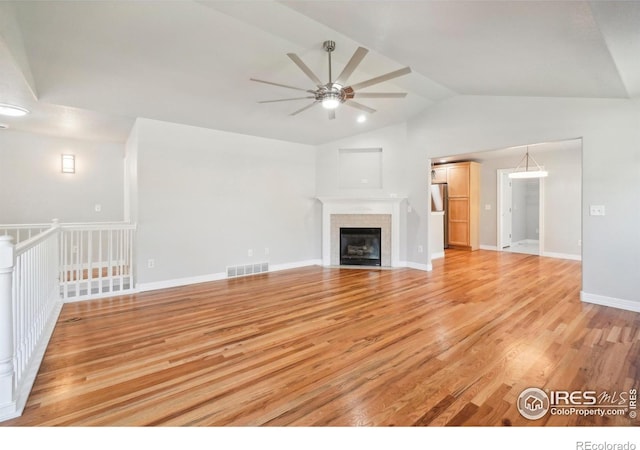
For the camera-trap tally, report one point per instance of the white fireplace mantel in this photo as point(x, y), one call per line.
point(361, 205)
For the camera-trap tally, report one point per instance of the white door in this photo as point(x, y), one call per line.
point(506, 214)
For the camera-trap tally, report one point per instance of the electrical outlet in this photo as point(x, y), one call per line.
point(420, 249)
point(250, 252)
point(596, 210)
point(151, 263)
point(487, 207)
point(97, 207)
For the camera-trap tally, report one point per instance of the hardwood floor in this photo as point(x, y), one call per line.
point(336, 347)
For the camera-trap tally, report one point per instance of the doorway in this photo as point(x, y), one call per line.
point(520, 214)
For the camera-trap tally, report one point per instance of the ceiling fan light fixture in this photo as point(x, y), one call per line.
point(331, 100)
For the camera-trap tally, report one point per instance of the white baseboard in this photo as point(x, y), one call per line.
point(417, 266)
point(165, 284)
point(89, 297)
point(437, 255)
point(562, 256)
point(144, 287)
point(295, 265)
point(546, 254)
point(629, 305)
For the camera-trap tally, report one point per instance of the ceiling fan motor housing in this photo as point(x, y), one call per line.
point(329, 46)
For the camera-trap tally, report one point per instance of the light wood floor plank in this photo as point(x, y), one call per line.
point(339, 347)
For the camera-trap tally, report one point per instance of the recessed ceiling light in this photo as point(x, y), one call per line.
point(361, 118)
point(12, 110)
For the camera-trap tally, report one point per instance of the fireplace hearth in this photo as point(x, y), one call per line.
point(360, 246)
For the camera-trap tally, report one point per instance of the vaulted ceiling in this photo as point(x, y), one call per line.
point(88, 69)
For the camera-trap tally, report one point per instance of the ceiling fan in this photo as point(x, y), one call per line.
point(334, 93)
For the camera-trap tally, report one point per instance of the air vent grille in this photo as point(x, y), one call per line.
point(247, 269)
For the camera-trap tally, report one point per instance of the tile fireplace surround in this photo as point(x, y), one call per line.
point(383, 213)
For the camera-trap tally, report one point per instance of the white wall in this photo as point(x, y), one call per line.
point(519, 210)
point(610, 130)
point(532, 209)
point(393, 142)
point(33, 189)
point(205, 197)
point(131, 177)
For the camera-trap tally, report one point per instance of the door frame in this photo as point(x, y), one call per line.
point(500, 187)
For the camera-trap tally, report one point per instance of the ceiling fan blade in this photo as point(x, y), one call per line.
point(284, 99)
point(359, 106)
point(351, 65)
point(305, 69)
point(380, 94)
point(381, 78)
point(332, 114)
point(281, 85)
point(303, 109)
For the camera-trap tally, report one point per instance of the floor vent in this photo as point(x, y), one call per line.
point(247, 269)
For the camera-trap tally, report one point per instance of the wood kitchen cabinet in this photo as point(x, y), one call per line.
point(463, 204)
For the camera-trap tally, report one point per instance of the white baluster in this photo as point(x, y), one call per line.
point(7, 395)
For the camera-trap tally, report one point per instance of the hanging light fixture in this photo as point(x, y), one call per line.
point(523, 170)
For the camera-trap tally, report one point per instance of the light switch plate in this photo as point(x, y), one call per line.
point(596, 210)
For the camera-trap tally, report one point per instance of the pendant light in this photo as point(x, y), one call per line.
point(523, 171)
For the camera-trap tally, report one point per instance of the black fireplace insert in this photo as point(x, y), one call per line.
point(360, 247)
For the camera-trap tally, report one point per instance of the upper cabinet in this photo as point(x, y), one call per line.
point(458, 179)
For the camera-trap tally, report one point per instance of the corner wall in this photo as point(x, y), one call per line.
point(207, 197)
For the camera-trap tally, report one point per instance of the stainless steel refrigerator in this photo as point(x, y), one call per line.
point(439, 202)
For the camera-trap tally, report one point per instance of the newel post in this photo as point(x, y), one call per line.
point(6, 322)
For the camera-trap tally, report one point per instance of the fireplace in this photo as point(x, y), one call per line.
point(360, 246)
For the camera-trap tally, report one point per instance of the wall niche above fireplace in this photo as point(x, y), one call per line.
point(360, 246)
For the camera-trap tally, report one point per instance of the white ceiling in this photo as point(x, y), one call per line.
point(88, 69)
point(515, 153)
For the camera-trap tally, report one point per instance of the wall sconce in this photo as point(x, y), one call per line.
point(68, 164)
